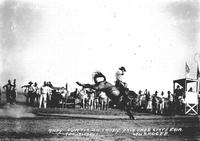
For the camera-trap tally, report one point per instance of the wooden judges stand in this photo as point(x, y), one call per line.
point(191, 97)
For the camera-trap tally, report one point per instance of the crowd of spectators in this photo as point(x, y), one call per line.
point(49, 96)
point(161, 103)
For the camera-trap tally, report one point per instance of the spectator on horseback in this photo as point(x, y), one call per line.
point(8, 88)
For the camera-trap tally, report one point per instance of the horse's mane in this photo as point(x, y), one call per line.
point(96, 75)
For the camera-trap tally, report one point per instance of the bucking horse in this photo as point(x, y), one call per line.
point(123, 100)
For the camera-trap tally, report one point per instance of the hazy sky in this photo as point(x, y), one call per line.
point(66, 41)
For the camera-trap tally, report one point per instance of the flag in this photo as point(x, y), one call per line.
point(187, 69)
point(198, 73)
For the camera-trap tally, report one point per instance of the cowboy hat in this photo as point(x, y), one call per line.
point(122, 68)
point(30, 82)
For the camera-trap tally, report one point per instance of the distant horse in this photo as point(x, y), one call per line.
point(121, 100)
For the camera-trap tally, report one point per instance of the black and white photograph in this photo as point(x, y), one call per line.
point(100, 70)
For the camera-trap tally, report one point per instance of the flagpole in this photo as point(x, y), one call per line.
point(197, 71)
point(185, 69)
point(198, 87)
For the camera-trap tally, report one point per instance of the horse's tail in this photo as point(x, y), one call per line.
point(98, 74)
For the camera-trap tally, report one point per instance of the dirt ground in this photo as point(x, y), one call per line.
point(46, 128)
point(18, 122)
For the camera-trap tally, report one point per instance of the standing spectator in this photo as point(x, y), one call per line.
point(84, 97)
point(149, 106)
point(177, 94)
point(49, 93)
point(139, 101)
point(170, 103)
point(162, 103)
point(147, 93)
point(155, 103)
point(147, 98)
point(36, 93)
point(8, 88)
point(63, 98)
point(190, 90)
point(143, 102)
point(31, 93)
point(104, 101)
point(43, 95)
point(66, 88)
point(178, 100)
point(50, 84)
point(13, 92)
point(91, 96)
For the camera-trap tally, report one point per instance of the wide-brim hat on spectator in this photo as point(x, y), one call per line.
point(30, 82)
point(122, 68)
